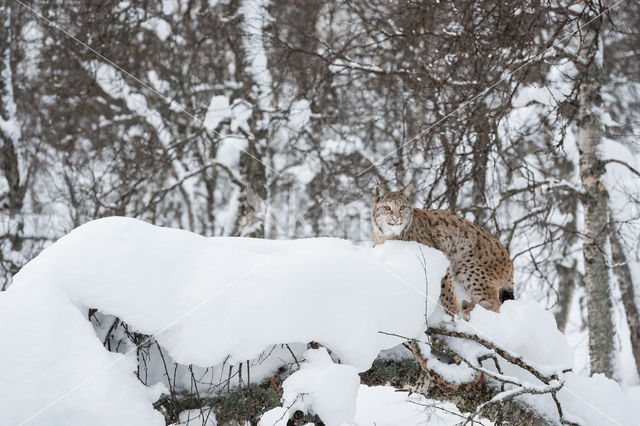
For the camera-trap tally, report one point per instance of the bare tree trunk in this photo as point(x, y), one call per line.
point(596, 212)
point(627, 291)
point(13, 199)
point(481, 149)
point(9, 129)
point(256, 87)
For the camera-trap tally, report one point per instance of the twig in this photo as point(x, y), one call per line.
point(517, 360)
point(106, 342)
point(631, 169)
point(423, 263)
point(436, 406)
point(495, 362)
point(249, 402)
point(550, 385)
point(195, 387)
point(293, 355)
point(559, 407)
point(512, 393)
point(166, 372)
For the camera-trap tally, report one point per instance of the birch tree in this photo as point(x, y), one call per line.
point(255, 90)
point(12, 197)
point(596, 245)
point(622, 70)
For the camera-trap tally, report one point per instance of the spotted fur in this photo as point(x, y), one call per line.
point(478, 262)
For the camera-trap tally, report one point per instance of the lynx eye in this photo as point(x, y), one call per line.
point(402, 208)
point(387, 208)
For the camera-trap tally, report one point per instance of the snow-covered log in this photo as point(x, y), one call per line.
point(203, 299)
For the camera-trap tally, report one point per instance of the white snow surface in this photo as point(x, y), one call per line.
point(218, 110)
point(202, 299)
point(324, 387)
point(180, 286)
point(299, 115)
point(385, 406)
point(48, 348)
point(524, 329)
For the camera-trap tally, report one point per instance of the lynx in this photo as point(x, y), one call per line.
point(477, 261)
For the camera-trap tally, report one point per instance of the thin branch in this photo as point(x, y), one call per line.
point(517, 360)
point(622, 163)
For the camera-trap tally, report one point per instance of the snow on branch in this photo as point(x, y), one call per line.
point(550, 385)
point(513, 366)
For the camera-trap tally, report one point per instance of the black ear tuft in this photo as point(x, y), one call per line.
point(405, 191)
point(380, 192)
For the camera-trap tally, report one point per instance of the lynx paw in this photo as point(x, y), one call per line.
point(467, 307)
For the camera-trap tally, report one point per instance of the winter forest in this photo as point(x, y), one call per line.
point(186, 190)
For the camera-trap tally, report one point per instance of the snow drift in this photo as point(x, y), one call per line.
point(206, 299)
point(203, 299)
point(182, 287)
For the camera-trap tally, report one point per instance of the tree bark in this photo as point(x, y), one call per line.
point(9, 131)
point(595, 201)
point(12, 201)
point(481, 149)
point(256, 81)
point(628, 294)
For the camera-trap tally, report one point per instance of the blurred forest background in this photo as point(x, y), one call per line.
point(276, 119)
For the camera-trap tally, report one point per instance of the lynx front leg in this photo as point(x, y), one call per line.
point(448, 295)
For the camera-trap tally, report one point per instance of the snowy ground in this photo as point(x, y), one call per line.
point(208, 300)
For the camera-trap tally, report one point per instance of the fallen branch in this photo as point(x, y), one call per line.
point(517, 360)
point(510, 394)
point(485, 394)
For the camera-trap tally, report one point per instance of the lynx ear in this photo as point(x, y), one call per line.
point(405, 191)
point(380, 192)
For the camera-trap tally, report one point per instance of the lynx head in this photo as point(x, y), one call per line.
point(391, 212)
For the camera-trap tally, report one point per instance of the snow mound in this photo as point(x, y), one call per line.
point(598, 401)
point(182, 287)
point(203, 299)
point(321, 386)
point(525, 329)
point(206, 299)
point(48, 348)
point(218, 110)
